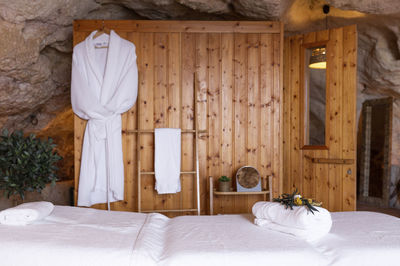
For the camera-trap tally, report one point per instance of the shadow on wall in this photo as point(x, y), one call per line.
point(60, 194)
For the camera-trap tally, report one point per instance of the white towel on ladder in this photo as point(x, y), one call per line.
point(167, 160)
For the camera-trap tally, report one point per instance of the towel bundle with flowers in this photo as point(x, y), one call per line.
point(295, 199)
point(306, 219)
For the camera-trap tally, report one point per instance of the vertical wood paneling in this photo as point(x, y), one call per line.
point(174, 96)
point(253, 105)
point(266, 118)
point(335, 79)
point(146, 105)
point(160, 98)
point(160, 79)
point(333, 184)
point(308, 166)
point(277, 114)
point(214, 106)
point(321, 178)
point(349, 120)
point(227, 46)
point(287, 94)
point(187, 82)
point(239, 100)
point(124, 120)
point(240, 110)
point(129, 142)
point(295, 154)
point(202, 104)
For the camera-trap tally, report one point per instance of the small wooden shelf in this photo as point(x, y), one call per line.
point(240, 193)
point(264, 181)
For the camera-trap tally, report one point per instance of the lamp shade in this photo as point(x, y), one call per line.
point(318, 58)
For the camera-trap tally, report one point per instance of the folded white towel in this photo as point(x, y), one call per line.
point(26, 213)
point(299, 222)
point(307, 235)
point(167, 160)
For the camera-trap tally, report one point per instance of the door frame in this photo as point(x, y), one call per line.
point(364, 153)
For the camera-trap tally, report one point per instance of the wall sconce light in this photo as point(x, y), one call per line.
point(318, 58)
point(318, 55)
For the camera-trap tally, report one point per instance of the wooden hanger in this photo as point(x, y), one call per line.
point(102, 30)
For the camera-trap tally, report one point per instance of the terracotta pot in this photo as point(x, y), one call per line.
point(224, 186)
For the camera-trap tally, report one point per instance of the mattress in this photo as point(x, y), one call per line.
point(76, 236)
point(362, 238)
point(82, 236)
point(356, 238)
point(232, 240)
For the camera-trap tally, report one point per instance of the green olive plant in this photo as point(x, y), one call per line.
point(27, 163)
point(224, 179)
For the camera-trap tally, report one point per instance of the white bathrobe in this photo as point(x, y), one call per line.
point(104, 85)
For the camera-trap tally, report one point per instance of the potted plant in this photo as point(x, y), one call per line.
point(224, 184)
point(26, 163)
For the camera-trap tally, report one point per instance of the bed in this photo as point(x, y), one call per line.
point(81, 236)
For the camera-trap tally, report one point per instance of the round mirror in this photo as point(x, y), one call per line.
point(248, 177)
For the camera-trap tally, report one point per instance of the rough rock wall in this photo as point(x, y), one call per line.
point(35, 52)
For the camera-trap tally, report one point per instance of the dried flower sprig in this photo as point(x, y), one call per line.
point(295, 199)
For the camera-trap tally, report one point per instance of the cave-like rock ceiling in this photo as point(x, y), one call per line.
point(36, 46)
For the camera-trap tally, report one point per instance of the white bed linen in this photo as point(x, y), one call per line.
point(75, 236)
point(362, 238)
point(356, 238)
point(81, 236)
point(232, 240)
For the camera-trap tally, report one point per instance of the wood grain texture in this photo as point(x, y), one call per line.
point(226, 108)
point(287, 93)
point(322, 172)
point(240, 109)
point(202, 116)
point(146, 118)
point(349, 96)
point(239, 82)
point(189, 26)
point(187, 119)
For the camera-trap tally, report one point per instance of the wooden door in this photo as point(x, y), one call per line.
point(326, 172)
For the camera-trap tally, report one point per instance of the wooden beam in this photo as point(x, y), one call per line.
point(190, 26)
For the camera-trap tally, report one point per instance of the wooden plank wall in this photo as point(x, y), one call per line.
point(238, 68)
point(333, 184)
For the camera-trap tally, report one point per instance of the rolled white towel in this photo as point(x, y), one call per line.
point(307, 235)
point(299, 221)
point(26, 213)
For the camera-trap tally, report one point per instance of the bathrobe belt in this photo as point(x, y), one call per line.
point(106, 129)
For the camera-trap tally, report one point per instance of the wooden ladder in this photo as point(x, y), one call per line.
point(195, 172)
